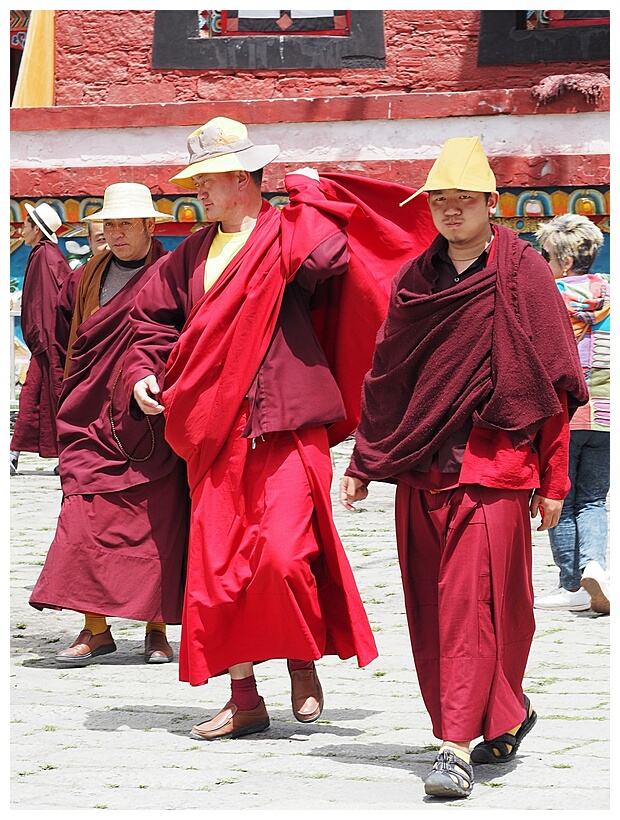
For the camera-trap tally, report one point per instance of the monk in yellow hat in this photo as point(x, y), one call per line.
point(467, 410)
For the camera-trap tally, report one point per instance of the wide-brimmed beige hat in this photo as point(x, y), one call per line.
point(222, 145)
point(45, 218)
point(127, 200)
point(461, 164)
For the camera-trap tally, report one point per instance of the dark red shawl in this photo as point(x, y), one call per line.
point(494, 347)
point(227, 334)
point(64, 313)
point(91, 457)
point(46, 270)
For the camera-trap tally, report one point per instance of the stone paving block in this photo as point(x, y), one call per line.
point(115, 734)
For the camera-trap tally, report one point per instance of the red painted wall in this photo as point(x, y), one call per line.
point(92, 65)
point(104, 79)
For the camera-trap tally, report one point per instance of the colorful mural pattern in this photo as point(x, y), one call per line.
point(518, 209)
point(19, 27)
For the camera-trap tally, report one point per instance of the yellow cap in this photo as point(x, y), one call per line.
point(461, 164)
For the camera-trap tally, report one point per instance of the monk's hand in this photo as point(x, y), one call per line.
point(144, 392)
point(352, 489)
point(307, 172)
point(550, 510)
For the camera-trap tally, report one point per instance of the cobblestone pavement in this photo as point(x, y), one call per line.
point(115, 734)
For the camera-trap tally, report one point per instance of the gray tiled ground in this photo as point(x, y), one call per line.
point(115, 734)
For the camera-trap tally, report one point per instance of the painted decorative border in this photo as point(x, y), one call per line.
point(517, 208)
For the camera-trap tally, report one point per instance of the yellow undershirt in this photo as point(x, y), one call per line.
point(222, 250)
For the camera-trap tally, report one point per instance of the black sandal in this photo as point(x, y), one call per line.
point(450, 777)
point(506, 744)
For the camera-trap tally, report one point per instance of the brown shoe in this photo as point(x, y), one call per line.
point(156, 648)
point(87, 646)
point(232, 722)
point(306, 695)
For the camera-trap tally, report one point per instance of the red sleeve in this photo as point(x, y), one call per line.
point(64, 314)
point(158, 315)
point(553, 442)
point(330, 258)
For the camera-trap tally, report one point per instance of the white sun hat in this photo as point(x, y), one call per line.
point(222, 145)
point(127, 200)
point(45, 218)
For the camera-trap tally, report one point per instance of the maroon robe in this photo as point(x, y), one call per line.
point(495, 349)
point(466, 562)
point(120, 543)
point(35, 426)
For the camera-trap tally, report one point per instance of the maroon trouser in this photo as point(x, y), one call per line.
point(466, 564)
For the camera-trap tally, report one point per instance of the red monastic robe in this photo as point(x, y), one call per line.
point(35, 426)
point(496, 348)
point(267, 574)
point(120, 543)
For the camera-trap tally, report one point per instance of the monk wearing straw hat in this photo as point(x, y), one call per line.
point(120, 542)
point(46, 270)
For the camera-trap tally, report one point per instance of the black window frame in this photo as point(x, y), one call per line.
point(177, 45)
point(503, 40)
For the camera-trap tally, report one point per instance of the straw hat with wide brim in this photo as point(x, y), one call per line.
point(222, 145)
point(45, 218)
point(127, 200)
point(461, 164)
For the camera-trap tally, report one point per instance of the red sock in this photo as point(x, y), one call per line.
point(294, 665)
point(244, 693)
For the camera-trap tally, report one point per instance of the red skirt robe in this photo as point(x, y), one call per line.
point(121, 537)
point(267, 574)
point(469, 610)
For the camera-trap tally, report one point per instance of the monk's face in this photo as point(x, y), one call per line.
point(128, 239)
point(463, 217)
point(31, 233)
point(96, 238)
point(222, 195)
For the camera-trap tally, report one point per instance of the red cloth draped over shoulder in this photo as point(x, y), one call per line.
point(227, 333)
point(92, 460)
point(35, 427)
point(46, 270)
point(347, 311)
point(496, 347)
